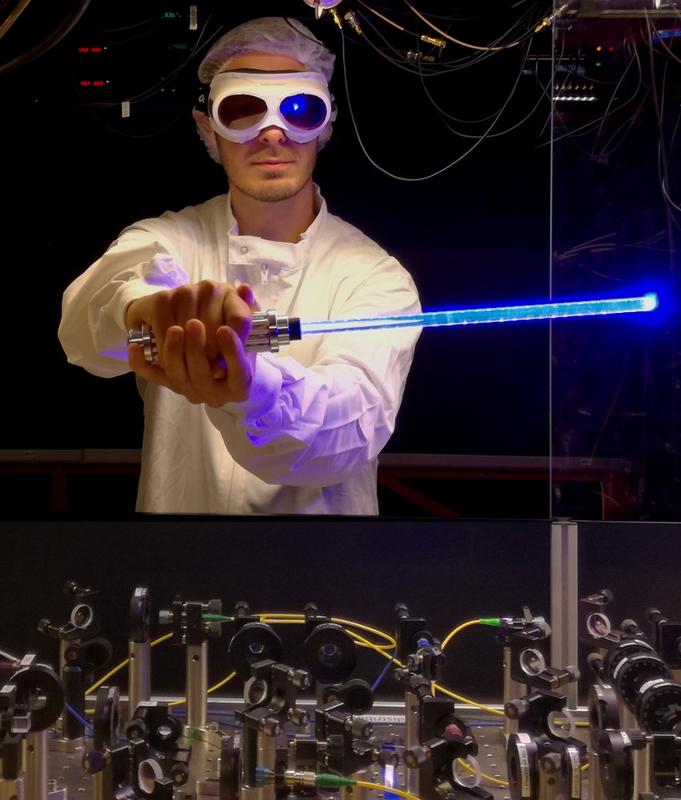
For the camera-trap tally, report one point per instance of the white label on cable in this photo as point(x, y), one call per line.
point(389, 775)
point(524, 762)
point(576, 784)
point(648, 684)
point(625, 738)
point(193, 18)
point(125, 108)
point(618, 668)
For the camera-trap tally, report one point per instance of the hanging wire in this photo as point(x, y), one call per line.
point(461, 43)
point(588, 127)
point(476, 144)
point(543, 95)
point(614, 93)
point(64, 27)
point(150, 92)
point(663, 164)
point(13, 16)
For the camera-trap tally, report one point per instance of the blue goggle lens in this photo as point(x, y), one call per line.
point(303, 111)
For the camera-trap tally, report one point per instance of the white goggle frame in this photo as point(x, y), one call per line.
point(273, 88)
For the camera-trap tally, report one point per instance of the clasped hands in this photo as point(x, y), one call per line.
point(200, 331)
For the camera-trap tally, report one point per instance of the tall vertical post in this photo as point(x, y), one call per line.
point(139, 649)
point(197, 685)
point(412, 726)
point(139, 681)
point(35, 765)
point(565, 600)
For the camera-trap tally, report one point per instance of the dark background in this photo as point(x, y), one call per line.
point(505, 224)
point(476, 234)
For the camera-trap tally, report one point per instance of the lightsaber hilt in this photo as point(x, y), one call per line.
point(269, 332)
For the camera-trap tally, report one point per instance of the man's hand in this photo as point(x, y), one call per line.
point(200, 331)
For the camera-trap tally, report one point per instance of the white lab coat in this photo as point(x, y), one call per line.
point(319, 412)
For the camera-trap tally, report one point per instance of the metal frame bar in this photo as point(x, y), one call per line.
point(565, 600)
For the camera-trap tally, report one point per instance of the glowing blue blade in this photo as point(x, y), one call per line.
point(478, 316)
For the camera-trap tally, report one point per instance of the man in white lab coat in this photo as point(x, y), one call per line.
point(229, 431)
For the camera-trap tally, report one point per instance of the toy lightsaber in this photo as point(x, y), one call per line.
point(270, 330)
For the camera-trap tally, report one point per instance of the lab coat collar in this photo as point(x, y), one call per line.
point(291, 256)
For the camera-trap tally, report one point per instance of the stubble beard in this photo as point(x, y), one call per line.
point(272, 188)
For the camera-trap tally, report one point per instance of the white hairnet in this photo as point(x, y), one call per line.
point(278, 35)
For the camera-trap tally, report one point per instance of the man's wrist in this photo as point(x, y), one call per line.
point(263, 393)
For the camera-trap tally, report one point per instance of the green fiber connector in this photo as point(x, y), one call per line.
point(328, 780)
point(216, 618)
point(495, 622)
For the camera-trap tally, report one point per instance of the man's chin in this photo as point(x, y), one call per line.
point(274, 189)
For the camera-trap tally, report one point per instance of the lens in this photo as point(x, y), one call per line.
point(531, 661)
point(81, 615)
point(329, 654)
point(241, 111)
point(598, 625)
point(304, 111)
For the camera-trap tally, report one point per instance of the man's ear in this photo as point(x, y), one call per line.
point(207, 134)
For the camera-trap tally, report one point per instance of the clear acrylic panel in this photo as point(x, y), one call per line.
point(616, 231)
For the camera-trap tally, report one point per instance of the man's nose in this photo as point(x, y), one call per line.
point(272, 135)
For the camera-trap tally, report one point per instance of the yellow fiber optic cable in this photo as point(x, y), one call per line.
point(437, 685)
point(489, 778)
point(212, 689)
point(387, 789)
point(456, 630)
point(123, 664)
point(468, 702)
point(390, 642)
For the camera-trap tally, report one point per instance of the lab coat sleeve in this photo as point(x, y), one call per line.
point(315, 425)
point(92, 331)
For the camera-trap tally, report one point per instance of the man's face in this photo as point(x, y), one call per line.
point(269, 167)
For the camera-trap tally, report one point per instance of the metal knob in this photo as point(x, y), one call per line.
point(145, 336)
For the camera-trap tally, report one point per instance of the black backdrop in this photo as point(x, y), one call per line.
point(478, 233)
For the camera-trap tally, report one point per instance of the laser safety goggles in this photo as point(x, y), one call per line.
point(242, 103)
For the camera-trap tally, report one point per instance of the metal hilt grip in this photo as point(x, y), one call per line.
point(269, 331)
